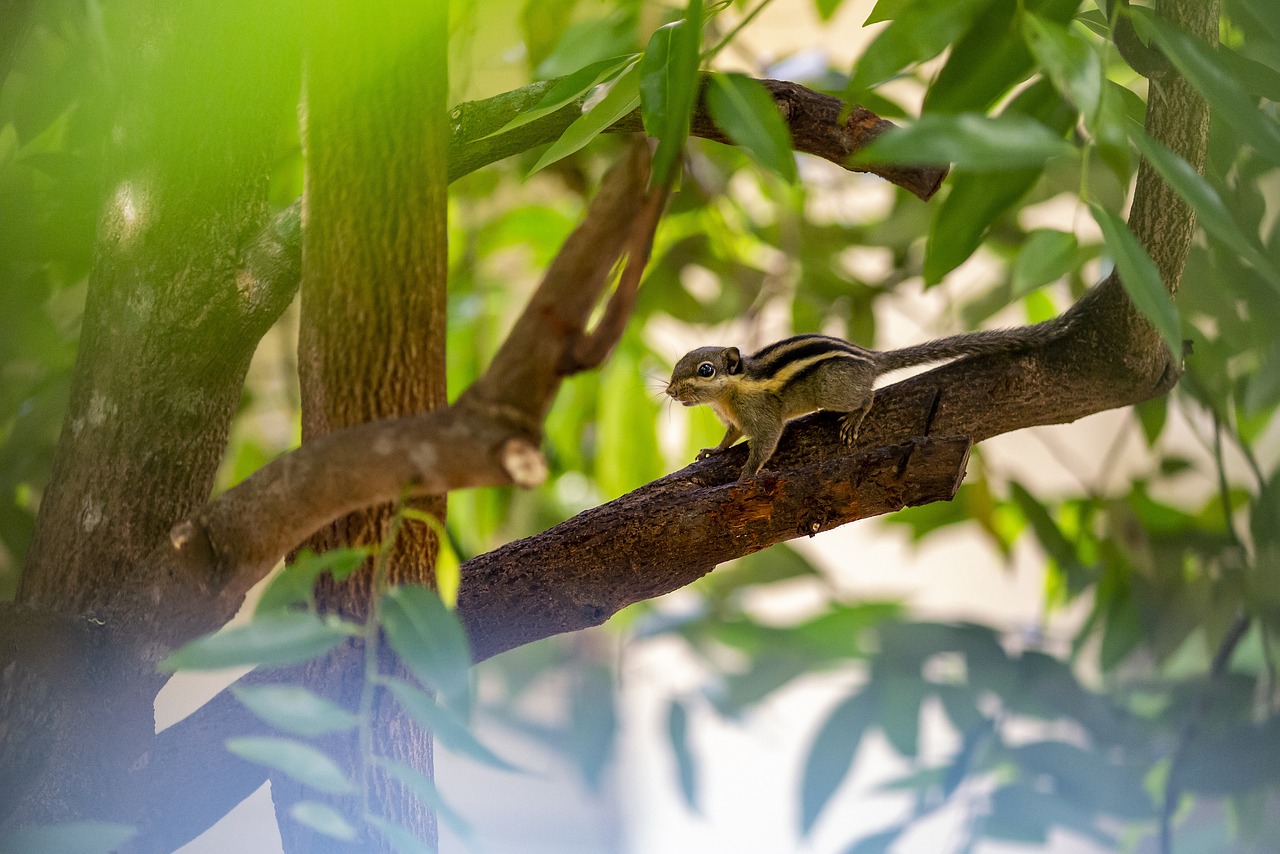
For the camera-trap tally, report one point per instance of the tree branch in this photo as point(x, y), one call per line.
point(489, 437)
point(812, 117)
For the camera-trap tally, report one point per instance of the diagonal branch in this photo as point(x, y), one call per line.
point(814, 120)
point(489, 437)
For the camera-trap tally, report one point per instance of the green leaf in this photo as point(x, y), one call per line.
point(569, 88)
point(1211, 213)
point(81, 837)
point(745, 110)
point(1051, 538)
point(296, 582)
point(275, 639)
point(425, 789)
point(430, 641)
point(876, 843)
point(295, 709)
point(623, 97)
point(1068, 58)
point(920, 30)
point(669, 84)
point(826, 8)
point(1046, 257)
point(1209, 74)
point(678, 733)
point(1140, 278)
point(971, 141)
point(323, 818)
point(302, 762)
point(899, 712)
point(401, 838)
point(976, 200)
point(446, 728)
point(831, 755)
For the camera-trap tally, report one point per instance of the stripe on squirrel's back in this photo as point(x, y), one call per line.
point(780, 357)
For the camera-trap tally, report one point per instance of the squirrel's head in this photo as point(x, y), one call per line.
point(702, 375)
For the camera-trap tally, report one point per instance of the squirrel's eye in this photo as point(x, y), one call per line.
point(706, 369)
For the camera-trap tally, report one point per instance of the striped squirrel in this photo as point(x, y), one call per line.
point(755, 396)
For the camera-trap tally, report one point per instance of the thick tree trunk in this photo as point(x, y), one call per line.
point(372, 341)
point(168, 330)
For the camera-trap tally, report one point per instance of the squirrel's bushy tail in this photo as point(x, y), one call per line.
point(982, 343)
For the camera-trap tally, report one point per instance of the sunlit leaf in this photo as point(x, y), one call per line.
point(80, 837)
point(272, 640)
point(430, 641)
point(294, 709)
point(323, 818)
point(745, 110)
point(831, 755)
point(972, 142)
point(302, 762)
point(1140, 278)
point(569, 88)
point(623, 97)
point(446, 728)
point(669, 85)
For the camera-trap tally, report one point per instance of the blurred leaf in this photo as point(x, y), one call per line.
point(1152, 415)
point(831, 755)
point(446, 728)
point(623, 97)
point(628, 454)
point(430, 641)
point(826, 8)
point(593, 722)
point(569, 88)
point(899, 711)
point(401, 838)
point(302, 762)
point(920, 30)
point(1022, 814)
point(323, 819)
point(1086, 779)
point(1068, 58)
point(678, 734)
point(971, 141)
point(80, 837)
point(1045, 257)
point(542, 25)
point(1211, 214)
point(976, 199)
point(669, 83)
point(1213, 78)
point(745, 110)
point(294, 709)
point(425, 789)
point(991, 58)
point(586, 42)
point(976, 737)
point(296, 582)
point(276, 639)
point(1140, 278)
point(1050, 536)
point(876, 843)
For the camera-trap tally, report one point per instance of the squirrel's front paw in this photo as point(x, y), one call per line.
point(706, 453)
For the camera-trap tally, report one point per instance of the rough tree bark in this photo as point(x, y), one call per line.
point(158, 586)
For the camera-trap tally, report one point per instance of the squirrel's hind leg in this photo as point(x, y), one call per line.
point(851, 421)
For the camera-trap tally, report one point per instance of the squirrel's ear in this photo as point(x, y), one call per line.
point(732, 360)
